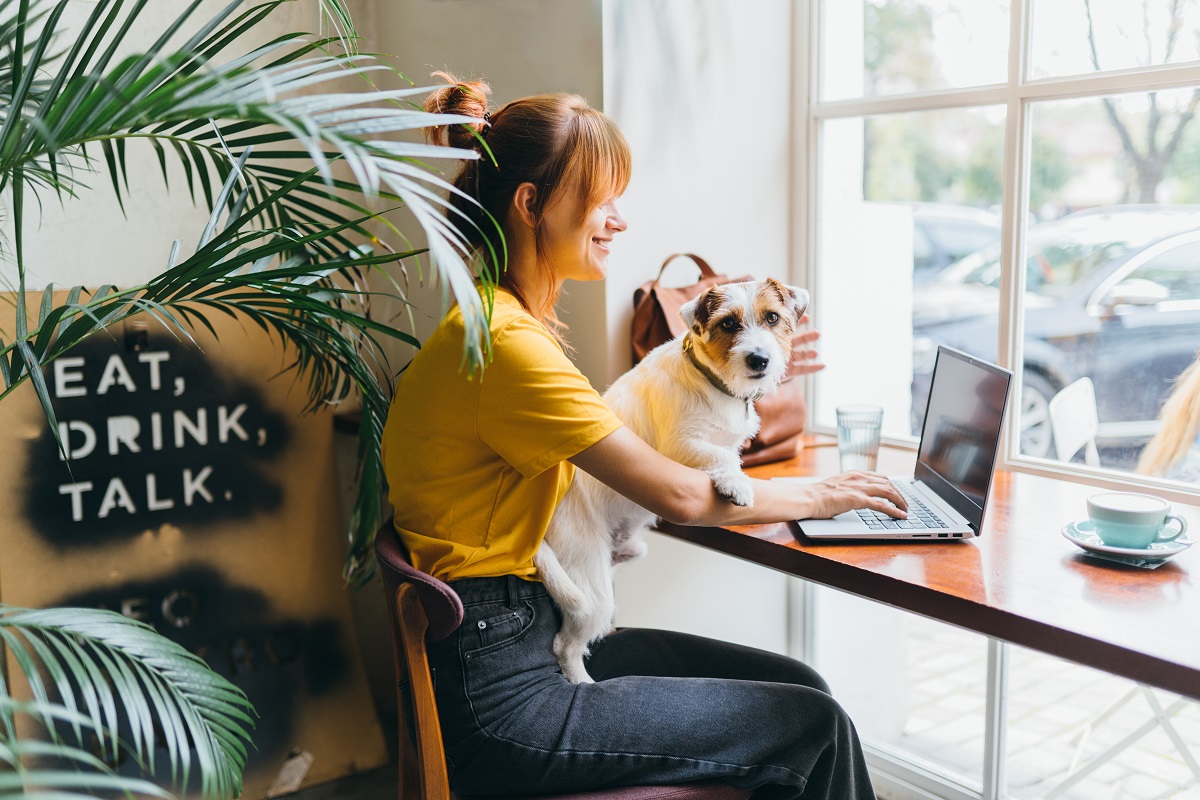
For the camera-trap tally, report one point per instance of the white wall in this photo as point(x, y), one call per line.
point(701, 90)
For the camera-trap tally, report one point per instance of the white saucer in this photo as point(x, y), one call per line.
point(1083, 534)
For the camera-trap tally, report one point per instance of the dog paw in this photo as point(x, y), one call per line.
point(628, 550)
point(737, 489)
point(577, 675)
point(571, 661)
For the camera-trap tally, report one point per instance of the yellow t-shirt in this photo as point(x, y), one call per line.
point(476, 465)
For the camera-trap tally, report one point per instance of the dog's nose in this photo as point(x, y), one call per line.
point(757, 361)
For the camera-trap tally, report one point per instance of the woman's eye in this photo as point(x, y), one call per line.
point(729, 324)
point(772, 318)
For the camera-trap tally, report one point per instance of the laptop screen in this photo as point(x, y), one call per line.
point(961, 434)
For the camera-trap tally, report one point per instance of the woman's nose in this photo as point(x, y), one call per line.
point(615, 220)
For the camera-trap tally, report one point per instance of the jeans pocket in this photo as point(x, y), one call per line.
point(497, 631)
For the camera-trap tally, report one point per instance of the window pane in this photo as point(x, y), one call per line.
point(1077, 734)
point(1084, 37)
point(882, 47)
point(922, 690)
point(903, 197)
point(1112, 267)
point(1172, 275)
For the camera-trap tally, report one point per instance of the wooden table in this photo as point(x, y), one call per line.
point(1020, 581)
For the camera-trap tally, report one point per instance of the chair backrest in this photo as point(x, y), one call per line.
point(422, 609)
point(1074, 422)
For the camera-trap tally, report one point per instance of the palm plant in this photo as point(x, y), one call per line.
point(293, 171)
point(100, 664)
point(289, 239)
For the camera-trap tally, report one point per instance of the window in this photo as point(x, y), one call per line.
point(929, 131)
point(1019, 179)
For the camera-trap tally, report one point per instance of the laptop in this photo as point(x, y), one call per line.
point(955, 460)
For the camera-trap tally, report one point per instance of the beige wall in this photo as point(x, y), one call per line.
point(88, 240)
point(520, 47)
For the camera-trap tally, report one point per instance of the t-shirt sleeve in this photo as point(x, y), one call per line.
point(536, 409)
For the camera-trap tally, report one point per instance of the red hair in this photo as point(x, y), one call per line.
point(554, 141)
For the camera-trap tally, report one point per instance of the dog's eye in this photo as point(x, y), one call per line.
point(729, 324)
point(772, 318)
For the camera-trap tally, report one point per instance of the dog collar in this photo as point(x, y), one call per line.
point(717, 383)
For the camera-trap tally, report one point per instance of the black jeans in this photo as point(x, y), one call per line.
point(666, 708)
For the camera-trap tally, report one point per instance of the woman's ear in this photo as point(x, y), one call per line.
point(523, 202)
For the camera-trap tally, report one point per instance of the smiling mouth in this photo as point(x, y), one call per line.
point(602, 244)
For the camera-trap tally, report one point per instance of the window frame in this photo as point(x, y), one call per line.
point(1016, 94)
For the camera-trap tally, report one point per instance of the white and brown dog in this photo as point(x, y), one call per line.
point(692, 399)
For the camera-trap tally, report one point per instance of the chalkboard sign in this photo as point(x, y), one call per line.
point(191, 493)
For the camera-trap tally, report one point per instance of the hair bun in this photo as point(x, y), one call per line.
point(469, 98)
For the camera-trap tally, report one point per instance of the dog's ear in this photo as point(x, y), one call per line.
point(793, 297)
point(697, 311)
point(688, 312)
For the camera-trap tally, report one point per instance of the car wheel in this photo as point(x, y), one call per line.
point(1037, 439)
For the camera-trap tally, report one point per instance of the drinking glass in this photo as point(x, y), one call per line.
point(858, 428)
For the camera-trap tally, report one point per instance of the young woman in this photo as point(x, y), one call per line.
point(476, 465)
point(1174, 452)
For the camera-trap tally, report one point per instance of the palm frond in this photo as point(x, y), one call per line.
point(263, 97)
point(94, 670)
point(60, 768)
point(67, 784)
point(280, 278)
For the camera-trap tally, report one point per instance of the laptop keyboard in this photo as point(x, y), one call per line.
point(920, 517)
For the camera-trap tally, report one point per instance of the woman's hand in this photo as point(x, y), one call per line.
point(805, 359)
point(855, 489)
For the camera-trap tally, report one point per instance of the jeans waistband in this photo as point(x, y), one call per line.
point(503, 589)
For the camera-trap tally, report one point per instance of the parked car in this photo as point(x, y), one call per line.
point(944, 233)
point(1111, 293)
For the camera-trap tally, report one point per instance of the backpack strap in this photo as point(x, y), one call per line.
point(705, 270)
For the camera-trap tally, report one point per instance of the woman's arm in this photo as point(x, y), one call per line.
point(683, 495)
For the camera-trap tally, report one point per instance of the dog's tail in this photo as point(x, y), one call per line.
point(566, 593)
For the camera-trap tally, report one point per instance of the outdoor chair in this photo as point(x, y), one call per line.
point(424, 609)
point(1074, 422)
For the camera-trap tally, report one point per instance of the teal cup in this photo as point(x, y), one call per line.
point(1136, 521)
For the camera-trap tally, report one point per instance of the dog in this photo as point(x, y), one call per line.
point(692, 399)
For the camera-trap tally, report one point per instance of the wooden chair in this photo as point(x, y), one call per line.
point(423, 609)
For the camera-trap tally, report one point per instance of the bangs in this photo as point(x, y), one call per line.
point(600, 163)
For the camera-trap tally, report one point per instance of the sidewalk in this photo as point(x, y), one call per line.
point(1050, 703)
